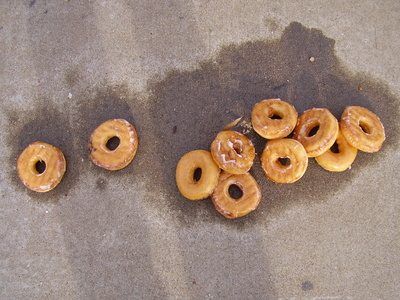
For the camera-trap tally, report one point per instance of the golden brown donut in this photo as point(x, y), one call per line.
point(187, 184)
point(120, 157)
point(326, 135)
point(265, 123)
point(234, 208)
point(341, 161)
point(54, 169)
point(233, 152)
point(362, 129)
point(284, 160)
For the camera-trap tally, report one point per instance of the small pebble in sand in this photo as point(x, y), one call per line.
point(312, 58)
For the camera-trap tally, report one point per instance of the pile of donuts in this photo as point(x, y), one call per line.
point(112, 146)
point(316, 133)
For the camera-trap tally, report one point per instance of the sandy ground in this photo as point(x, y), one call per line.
point(180, 71)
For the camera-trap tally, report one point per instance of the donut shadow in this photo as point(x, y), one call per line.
point(190, 107)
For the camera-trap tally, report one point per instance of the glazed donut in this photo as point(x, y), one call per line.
point(191, 187)
point(53, 168)
point(327, 130)
point(233, 152)
point(341, 161)
point(273, 118)
point(284, 160)
point(362, 129)
point(234, 208)
point(123, 154)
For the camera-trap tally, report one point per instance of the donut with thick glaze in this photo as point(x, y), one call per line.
point(233, 152)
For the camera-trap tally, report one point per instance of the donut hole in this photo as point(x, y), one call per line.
point(238, 148)
point(113, 143)
point(284, 161)
point(197, 174)
point(335, 148)
point(364, 127)
point(313, 131)
point(40, 166)
point(275, 116)
point(235, 192)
